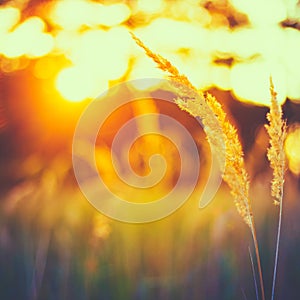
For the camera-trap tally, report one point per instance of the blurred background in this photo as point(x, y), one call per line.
point(55, 57)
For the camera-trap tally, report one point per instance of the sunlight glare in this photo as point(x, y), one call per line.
point(293, 9)
point(150, 7)
point(292, 150)
point(66, 42)
point(99, 51)
point(77, 84)
point(88, 13)
point(9, 17)
point(190, 11)
point(71, 14)
point(112, 15)
point(143, 68)
point(250, 81)
point(292, 62)
point(191, 36)
point(250, 42)
point(28, 39)
point(220, 77)
point(267, 12)
point(96, 56)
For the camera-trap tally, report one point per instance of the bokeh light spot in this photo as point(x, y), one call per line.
point(292, 149)
point(250, 81)
point(77, 84)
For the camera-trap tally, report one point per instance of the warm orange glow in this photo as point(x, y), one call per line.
point(11, 65)
point(59, 172)
point(45, 68)
point(292, 150)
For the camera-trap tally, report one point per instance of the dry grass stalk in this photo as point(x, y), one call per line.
point(214, 133)
point(218, 129)
point(235, 174)
point(190, 100)
point(277, 133)
point(164, 64)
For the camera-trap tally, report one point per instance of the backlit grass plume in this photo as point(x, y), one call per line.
point(164, 64)
point(214, 119)
point(218, 129)
point(277, 132)
point(192, 101)
point(235, 174)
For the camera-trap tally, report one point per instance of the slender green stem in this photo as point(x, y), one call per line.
point(277, 247)
point(253, 230)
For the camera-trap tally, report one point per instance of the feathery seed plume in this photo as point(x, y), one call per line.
point(277, 132)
